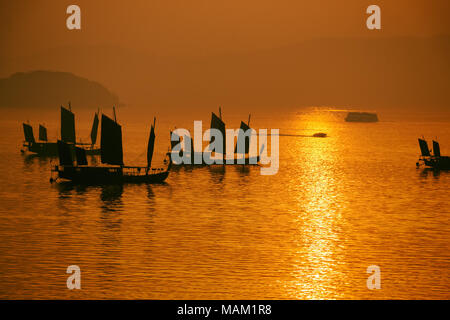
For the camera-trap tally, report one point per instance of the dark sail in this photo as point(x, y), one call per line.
point(80, 153)
point(94, 130)
point(243, 139)
point(42, 133)
point(217, 123)
point(28, 132)
point(150, 147)
point(65, 154)
point(111, 142)
point(67, 125)
point(424, 148)
point(436, 149)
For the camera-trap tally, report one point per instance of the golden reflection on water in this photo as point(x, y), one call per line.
point(317, 260)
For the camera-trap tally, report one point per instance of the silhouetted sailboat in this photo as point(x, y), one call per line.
point(41, 147)
point(435, 160)
point(208, 157)
point(45, 148)
point(113, 170)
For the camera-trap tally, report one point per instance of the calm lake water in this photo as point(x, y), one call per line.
point(336, 206)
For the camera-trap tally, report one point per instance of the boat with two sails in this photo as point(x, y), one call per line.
point(432, 158)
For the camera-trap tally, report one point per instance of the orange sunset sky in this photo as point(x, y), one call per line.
point(240, 53)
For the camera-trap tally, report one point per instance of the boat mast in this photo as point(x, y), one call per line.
point(248, 123)
point(224, 144)
point(151, 145)
point(114, 111)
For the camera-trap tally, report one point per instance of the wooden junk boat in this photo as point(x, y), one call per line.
point(435, 160)
point(113, 171)
point(43, 147)
point(217, 123)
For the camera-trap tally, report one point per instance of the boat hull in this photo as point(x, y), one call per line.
point(109, 175)
point(191, 162)
point(439, 163)
point(42, 148)
point(50, 149)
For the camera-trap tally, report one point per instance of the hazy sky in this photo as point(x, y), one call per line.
point(208, 26)
point(202, 53)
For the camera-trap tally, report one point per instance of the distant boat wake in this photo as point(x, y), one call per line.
point(316, 135)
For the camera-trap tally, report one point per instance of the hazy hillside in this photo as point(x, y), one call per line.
point(375, 73)
point(47, 89)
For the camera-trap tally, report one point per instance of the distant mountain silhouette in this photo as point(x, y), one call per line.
point(47, 89)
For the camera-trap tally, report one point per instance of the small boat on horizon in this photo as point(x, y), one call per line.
point(435, 160)
point(361, 117)
point(319, 135)
point(43, 147)
point(113, 171)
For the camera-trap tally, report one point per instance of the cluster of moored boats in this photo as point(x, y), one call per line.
point(74, 166)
